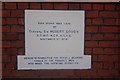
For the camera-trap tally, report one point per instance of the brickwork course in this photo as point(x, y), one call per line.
point(102, 39)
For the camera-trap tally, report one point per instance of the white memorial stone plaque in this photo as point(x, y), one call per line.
point(54, 39)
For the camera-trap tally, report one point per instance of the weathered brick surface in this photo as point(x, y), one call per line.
point(101, 39)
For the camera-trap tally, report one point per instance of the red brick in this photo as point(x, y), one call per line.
point(109, 21)
point(88, 21)
point(17, 44)
point(109, 6)
point(61, 6)
point(6, 58)
point(117, 50)
point(108, 58)
point(117, 21)
point(105, 33)
point(11, 36)
point(71, 79)
point(110, 73)
point(47, 6)
point(1, 66)
point(21, 51)
point(86, 73)
point(109, 51)
point(11, 21)
point(91, 29)
point(97, 51)
point(3, 51)
point(98, 6)
point(23, 73)
point(10, 66)
point(97, 65)
point(88, 36)
point(88, 50)
point(6, 29)
point(17, 13)
point(97, 21)
point(17, 29)
point(3, 21)
point(91, 14)
point(109, 37)
point(35, 6)
point(1, 56)
point(108, 65)
point(117, 7)
point(3, 5)
point(74, 6)
point(109, 29)
point(5, 13)
point(94, 57)
point(108, 44)
point(118, 35)
point(91, 44)
point(97, 37)
point(23, 5)
point(13, 58)
point(106, 14)
point(117, 65)
point(0, 38)
point(86, 6)
point(5, 73)
point(5, 44)
point(10, 5)
point(66, 72)
point(29, 73)
point(11, 51)
point(21, 21)
point(3, 37)
point(21, 37)
point(0, 14)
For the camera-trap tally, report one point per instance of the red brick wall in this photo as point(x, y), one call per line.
point(101, 39)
